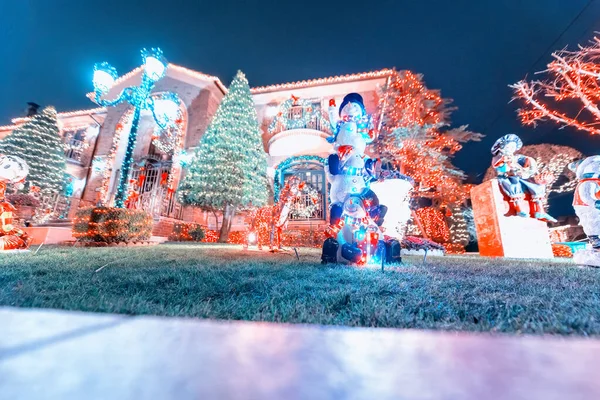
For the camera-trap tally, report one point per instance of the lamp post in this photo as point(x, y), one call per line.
point(165, 108)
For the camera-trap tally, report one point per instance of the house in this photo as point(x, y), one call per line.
point(95, 140)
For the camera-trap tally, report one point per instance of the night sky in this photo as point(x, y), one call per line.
point(471, 50)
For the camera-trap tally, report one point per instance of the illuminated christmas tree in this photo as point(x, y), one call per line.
point(229, 171)
point(38, 142)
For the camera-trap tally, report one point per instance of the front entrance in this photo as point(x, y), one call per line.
point(312, 172)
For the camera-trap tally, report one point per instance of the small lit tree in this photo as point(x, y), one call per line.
point(573, 79)
point(38, 142)
point(230, 168)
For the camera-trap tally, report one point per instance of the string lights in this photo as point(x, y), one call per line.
point(112, 225)
point(284, 165)
point(230, 167)
point(323, 81)
point(571, 76)
point(284, 121)
point(105, 77)
point(38, 142)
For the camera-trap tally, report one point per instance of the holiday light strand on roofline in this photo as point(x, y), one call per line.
point(76, 113)
point(322, 81)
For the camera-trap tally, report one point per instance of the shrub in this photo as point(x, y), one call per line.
point(21, 199)
point(185, 232)
point(112, 225)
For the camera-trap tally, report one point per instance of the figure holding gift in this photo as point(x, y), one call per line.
point(519, 178)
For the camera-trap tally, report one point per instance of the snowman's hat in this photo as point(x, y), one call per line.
point(353, 98)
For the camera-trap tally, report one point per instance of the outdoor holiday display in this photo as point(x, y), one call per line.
point(306, 114)
point(414, 136)
point(552, 161)
point(519, 178)
point(111, 225)
point(13, 170)
point(502, 207)
point(355, 212)
point(572, 77)
point(165, 108)
point(230, 167)
point(266, 225)
point(39, 144)
point(586, 202)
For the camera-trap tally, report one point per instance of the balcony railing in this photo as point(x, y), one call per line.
point(314, 124)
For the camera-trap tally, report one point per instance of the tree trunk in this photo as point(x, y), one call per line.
point(228, 215)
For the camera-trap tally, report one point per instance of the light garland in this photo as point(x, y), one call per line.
point(322, 81)
point(282, 120)
point(109, 162)
point(284, 165)
point(67, 114)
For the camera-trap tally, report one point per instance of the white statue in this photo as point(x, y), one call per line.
point(586, 202)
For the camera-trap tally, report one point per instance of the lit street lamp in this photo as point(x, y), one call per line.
point(165, 108)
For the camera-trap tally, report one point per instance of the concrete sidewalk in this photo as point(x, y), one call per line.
point(47, 354)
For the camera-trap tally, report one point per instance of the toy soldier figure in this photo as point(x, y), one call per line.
point(519, 178)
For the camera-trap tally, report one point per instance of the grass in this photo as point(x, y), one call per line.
point(225, 282)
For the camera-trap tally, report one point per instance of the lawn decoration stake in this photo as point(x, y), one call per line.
point(355, 213)
point(12, 170)
point(586, 202)
point(519, 178)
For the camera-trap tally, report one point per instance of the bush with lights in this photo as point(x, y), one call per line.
point(112, 225)
point(229, 171)
point(187, 232)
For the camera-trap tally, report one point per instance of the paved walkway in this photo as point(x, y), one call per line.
point(46, 354)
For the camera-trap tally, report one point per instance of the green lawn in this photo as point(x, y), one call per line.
point(225, 282)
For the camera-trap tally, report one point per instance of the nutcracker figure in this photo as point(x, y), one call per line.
point(519, 178)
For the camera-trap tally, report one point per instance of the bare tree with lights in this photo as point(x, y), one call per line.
point(572, 78)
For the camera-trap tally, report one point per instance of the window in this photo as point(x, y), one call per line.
point(74, 141)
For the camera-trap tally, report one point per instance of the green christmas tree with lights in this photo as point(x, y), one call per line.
point(38, 142)
point(229, 171)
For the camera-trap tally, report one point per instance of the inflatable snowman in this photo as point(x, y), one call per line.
point(355, 213)
point(586, 202)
